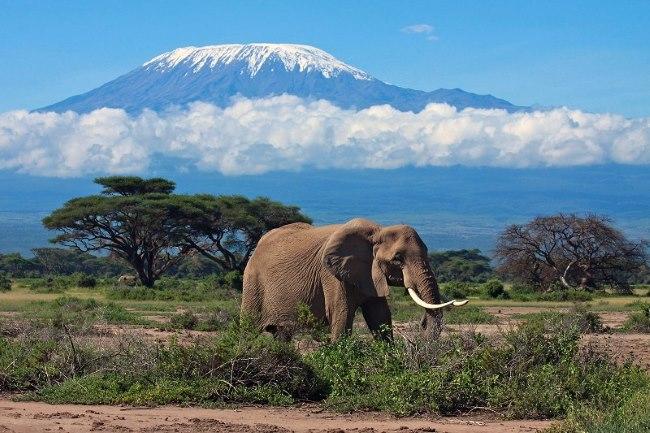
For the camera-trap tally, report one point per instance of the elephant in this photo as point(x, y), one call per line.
point(334, 270)
point(127, 280)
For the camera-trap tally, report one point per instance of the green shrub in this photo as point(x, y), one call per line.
point(56, 284)
point(85, 280)
point(565, 295)
point(455, 290)
point(578, 318)
point(5, 282)
point(234, 280)
point(522, 292)
point(632, 415)
point(184, 320)
point(68, 312)
point(217, 320)
point(639, 321)
point(536, 371)
point(308, 323)
point(494, 289)
point(241, 366)
point(174, 289)
point(469, 314)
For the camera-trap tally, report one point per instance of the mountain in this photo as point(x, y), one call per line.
point(217, 73)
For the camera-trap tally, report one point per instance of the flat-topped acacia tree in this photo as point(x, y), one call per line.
point(144, 223)
point(228, 237)
point(133, 218)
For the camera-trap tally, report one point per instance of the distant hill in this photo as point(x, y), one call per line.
point(217, 73)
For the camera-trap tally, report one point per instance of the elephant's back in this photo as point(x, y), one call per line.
point(299, 239)
point(285, 271)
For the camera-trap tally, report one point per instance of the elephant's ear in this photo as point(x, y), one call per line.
point(348, 255)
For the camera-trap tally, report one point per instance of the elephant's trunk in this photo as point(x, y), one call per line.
point(422, 286)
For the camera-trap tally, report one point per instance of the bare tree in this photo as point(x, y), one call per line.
point(578, 252)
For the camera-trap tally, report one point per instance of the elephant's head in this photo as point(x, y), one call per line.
point(369, 257)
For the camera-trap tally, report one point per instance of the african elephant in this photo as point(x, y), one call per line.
point(127, 280)
point(334, 270)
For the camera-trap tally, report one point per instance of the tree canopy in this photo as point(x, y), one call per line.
point(230, 235)
point(577, 252)
point(461, 265)
point(129, 221)
point(144, 223)
point(133, 185)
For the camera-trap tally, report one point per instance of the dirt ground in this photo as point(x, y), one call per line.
point(31, 417)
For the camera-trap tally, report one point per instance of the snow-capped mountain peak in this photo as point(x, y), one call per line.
point(303, 58)
point(217, 73)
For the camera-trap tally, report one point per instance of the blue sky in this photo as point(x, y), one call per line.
point(590, 55)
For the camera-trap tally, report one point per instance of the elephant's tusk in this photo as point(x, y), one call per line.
point(421, 303)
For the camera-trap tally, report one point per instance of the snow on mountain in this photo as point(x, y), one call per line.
point(254, 56)
point(217, 73)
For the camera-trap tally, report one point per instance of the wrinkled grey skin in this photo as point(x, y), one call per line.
point(335, 270)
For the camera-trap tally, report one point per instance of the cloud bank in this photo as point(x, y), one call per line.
point(288, 133)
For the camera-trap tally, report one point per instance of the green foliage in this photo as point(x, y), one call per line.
point(234, 280)
point(309, 324)
point(184, 320)
point(5, 282)
point(194, 266)
point(15, 265)
point(137, 220)
point(27, 366)
point(494, 289)
point(631, 416)
point(565, 296)
point(55, 284)
point(239, 366)
point(144, 224)
point(461, 265)
point(68, 261)
point(469, 314)
point(537, 371)
point(71, 313)
point(229, 228)
point(176, 289)
point(133, 185)
point(218, 319)
point(578, 318)
point(527, 293)
point(49, 262)
point(86, 281)
point(639, 321)
point(455, 290)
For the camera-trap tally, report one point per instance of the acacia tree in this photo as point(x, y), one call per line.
point(229, 235)
point(577, 252)
point(133, 218)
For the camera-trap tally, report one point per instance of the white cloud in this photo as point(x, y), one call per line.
point(286, 132)
point(418, 28)
point(423, 29)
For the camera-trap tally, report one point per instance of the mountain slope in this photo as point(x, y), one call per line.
point(217, 73)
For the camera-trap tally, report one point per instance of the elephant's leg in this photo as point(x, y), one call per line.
point(252, 298)
point(377, 315)
point(341, 320)
point(339, 306)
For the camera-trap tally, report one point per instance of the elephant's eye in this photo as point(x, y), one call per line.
point(397, 259)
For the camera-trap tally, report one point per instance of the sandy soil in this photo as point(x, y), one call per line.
point(30, 417)
point(623, 347)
